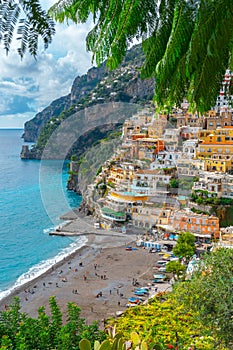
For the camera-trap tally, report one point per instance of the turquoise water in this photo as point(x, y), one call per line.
point(32, 197)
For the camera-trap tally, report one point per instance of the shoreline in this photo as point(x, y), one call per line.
point(15, 289)
point(102, 264)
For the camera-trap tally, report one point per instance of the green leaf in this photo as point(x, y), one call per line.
point(135, 338)
point(144, 345)
point(105, 345)
point(85, 344)
point(96, 345)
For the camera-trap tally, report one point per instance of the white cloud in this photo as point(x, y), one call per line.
point(28, 86)
point(17, 120)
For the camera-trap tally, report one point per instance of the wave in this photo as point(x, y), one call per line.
point(42, 267)
point(48, 230)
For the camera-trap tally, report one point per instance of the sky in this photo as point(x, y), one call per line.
point(28, 86)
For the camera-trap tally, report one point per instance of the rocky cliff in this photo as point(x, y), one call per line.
point(81, 87)
point(98, 86)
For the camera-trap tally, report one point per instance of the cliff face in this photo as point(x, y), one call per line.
point(80, 88)
point(97, 86)
point(33, 127)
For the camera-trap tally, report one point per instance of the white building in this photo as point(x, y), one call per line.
point(225, 101)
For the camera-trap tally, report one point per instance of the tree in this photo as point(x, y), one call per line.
point(176, 268)
point(188, 44)
point(32, 23)
point(210, 293)
point(19, 331)
point(174, 183)
point(185, 246)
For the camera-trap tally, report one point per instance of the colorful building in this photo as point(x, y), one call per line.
point(199, 224)
point(220, 119)
point(146, 148)
point(216, 149)
point(151, 215)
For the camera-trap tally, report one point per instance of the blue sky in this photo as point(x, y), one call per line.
point(28, 86)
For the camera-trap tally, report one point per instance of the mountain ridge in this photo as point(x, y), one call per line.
point(97, 86)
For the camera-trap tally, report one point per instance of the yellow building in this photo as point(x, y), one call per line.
point(129, 196)
point(220, 165)
point(216, 149)
point(224, 134)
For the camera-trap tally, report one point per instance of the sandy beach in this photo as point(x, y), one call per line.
point(98, 277)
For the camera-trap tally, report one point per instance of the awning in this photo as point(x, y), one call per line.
point(166, 227)
point(201, 235)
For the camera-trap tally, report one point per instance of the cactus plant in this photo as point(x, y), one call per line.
point(85, 344)
point(117, 344)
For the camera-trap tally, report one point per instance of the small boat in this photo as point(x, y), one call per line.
point(134, 300)
point(143, 290)
point(139, 293)
point(162, 276)
point(162, 269)
point(131, 305)
point(159, 278)
point(119, 313)
point(161, 263)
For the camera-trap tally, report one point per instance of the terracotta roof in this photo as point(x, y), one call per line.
point(149, 171)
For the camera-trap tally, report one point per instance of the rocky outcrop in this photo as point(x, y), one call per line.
point(29, 153)
point(72, 184)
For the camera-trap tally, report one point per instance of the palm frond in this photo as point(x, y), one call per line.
point(16, 18)
point(210, 51)
point(9, 14)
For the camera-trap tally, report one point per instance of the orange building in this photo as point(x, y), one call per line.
point(147, 148)
point(199, 224)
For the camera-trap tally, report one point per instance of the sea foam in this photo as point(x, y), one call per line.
point(39, 269)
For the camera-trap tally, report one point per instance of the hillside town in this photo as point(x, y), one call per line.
point(171, 174)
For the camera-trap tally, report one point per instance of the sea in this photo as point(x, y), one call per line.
point(33, 196)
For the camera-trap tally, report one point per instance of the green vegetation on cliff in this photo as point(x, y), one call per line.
point(91, 161)
point(98, 86)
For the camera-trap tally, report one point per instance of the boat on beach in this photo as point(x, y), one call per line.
point(159, 278)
